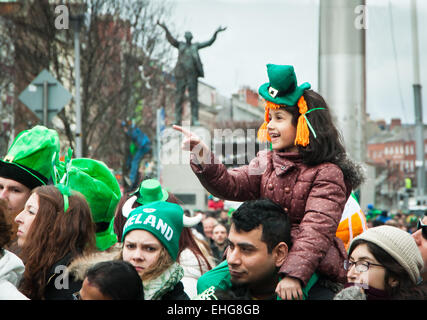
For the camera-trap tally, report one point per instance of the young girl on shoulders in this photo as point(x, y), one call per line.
point(306, 171)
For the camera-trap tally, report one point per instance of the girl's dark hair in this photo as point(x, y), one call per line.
point(54, 234)
point(392, 269)
point(116, 279)
point(328, 145)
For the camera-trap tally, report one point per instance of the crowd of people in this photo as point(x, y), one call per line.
point(68, 233)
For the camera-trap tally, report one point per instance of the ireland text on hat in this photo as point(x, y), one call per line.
point(164, 228)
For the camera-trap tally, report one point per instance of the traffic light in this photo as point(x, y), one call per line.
point(408, 186)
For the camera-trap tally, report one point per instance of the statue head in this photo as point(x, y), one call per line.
point(188, 36)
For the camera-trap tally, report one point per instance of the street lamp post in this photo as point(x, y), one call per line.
point(76, 22)
point(419, 126)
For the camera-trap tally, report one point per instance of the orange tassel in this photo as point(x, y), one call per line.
point(303, 135)
point(263, 135)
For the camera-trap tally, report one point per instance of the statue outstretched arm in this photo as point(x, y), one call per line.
point(211, 40)
point(169, 36)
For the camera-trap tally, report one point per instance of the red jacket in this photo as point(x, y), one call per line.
point(216, 205)
point(313, 196)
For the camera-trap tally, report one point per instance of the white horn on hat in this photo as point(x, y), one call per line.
point(127, 206)
point(191, 221)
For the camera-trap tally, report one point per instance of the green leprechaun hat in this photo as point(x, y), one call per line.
point(282, 88)
point(99, 186)
point(149, 191)
point(281, 91)
point(29, 159)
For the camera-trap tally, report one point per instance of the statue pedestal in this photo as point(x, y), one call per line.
point(176, 174)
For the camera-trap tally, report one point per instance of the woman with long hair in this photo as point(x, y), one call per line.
point(53, 229)
point(194, 261)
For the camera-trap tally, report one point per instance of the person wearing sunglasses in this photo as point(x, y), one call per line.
point(384, 264)
point(420, 237)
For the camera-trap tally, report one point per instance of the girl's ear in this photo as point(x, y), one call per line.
point(280, 253)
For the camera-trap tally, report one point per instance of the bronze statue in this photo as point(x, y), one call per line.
point(188, 68)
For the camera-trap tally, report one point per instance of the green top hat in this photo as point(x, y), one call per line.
point(282, 87)
point(29, 159)
point(99, 186)
point(162, 219)
point(149, 191)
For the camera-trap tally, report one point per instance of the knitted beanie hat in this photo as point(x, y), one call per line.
point(162, 219)
point(397, 243)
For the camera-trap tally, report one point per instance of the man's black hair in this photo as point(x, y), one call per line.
point(268, 214)
point(117, 279)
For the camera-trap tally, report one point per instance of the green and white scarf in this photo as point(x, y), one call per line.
point(154, 289)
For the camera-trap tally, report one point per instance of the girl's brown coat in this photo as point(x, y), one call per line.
point(313, 197)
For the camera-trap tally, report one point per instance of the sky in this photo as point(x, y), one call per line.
point(286, 32)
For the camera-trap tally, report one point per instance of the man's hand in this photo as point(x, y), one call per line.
point(289, 288)
point(193, 144)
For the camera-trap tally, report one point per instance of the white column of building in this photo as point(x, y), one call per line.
point(342, 69)
point(419, 126)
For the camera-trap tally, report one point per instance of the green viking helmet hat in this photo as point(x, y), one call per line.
point(99, 186)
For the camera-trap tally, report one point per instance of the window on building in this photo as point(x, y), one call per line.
point(186, 198)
